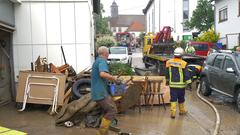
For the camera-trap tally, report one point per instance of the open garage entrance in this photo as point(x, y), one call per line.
point(6, 68)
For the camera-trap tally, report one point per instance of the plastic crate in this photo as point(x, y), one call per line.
point(117, 90)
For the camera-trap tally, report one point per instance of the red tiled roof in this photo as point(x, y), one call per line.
point(126, 20)
point(136, 26)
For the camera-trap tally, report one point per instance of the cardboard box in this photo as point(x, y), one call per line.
point(41, 93)
point(7, 131)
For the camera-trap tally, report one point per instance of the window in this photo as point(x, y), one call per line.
point(200, 47)
point(120, 29)
point(185, 13)
point(149, 41)
point(185, 28)
point(218, 61)
point(237, 57)
point(228, 63)
point(210, 58)
point(114, 29)
point(223, 15)
point(186, 9)
point(119, 50)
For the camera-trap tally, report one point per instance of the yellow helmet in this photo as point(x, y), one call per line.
point(178, 51)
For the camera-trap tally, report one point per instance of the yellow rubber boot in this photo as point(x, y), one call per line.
point(103, 129)
point(182, 110)
point(173, 109)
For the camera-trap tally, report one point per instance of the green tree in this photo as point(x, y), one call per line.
point(102, 23)
point(203, 16)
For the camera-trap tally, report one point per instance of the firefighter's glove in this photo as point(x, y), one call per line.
point(118, 81)
point(167, 82)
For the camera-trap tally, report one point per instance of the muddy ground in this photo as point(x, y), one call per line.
point(200, 119)
point(155, 121)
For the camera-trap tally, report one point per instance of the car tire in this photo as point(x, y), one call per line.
point(238, 100)
point(130, 62)
point(204, 87)
point(80, 88)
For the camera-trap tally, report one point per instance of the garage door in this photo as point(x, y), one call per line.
point(5, 68)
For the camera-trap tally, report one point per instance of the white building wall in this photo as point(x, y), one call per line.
point(123, 29)
point(169, 13)
point(229, 30)
point(42, 27)
point(149, 20)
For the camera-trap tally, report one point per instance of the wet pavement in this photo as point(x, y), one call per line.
point(230, 118)
point(155, 121)
point(200, 119)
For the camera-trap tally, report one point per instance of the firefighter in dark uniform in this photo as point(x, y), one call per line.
point(177, 77)
point(194, 71)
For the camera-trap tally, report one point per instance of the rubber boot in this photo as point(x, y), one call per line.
point(103, 129)
point(173, 109)
point(182, 110)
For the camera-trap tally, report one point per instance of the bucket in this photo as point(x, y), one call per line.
point(117, 89)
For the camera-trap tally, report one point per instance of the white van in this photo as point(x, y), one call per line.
point(119, 54)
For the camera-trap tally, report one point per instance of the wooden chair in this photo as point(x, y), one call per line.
point(142, 96)
point(154, 88)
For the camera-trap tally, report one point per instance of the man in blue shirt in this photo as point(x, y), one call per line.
point(99, 89)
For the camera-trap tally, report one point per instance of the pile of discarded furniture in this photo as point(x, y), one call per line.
point(68, 93)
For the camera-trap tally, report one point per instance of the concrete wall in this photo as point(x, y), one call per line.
point(42, 27)
point(7, 12)
point(168, 13)
point(229, 29)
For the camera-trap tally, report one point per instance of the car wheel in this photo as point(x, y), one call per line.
point(204, 87)
point(80, 88)
point(238, 100)
point(130, 62)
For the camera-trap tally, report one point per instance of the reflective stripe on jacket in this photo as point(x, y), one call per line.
point(177, 73)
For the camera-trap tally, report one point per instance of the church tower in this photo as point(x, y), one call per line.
point(114, 9)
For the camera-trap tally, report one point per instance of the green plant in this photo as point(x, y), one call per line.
point(120, 69)
point(107, 41)
point(208, 36)
point(101, 23)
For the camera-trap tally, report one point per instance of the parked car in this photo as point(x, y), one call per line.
point(119, 54)
point(221, 73)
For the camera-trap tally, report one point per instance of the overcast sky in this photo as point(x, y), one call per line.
point(125, 6)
